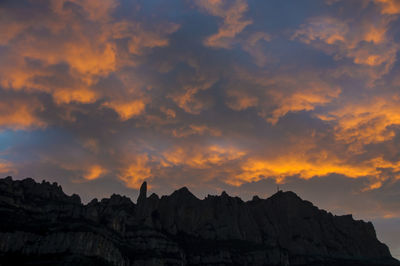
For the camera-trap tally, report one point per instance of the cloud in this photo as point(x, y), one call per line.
point(20, 114)
point(151, 39)
point(319, 164)
point(233, 21)
point(365, 42)
point(275, 95)
point(127, 110)
point(303, 99)
point(390, 7)
point(136, 171)
point(7, 167)
point(200, 157)
point(241, 100)
point(95, 172)
point(186, 97)
point(196, 130)
point(68, 50)
point(71, 95)
point(94, 10)
point(366, 122)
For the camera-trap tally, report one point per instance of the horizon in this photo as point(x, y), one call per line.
point(239, 96)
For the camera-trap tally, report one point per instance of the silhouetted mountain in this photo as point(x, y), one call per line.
point(40, 225)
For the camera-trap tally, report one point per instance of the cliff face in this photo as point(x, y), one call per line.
point(40, 224)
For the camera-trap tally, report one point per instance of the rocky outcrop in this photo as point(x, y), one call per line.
point(41, 225)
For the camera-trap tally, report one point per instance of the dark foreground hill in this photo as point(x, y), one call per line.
point(40, 225)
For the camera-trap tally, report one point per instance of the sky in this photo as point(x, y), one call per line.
point(234, 95)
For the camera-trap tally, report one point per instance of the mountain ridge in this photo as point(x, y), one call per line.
point(42, 224)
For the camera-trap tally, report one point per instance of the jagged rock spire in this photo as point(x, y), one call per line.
point(142, 194)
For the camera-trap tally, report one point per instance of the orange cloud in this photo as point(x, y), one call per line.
point(365, 42)
point(84, 41)
point(303, 99)
point(186, 97)
point(195, 130)
point(94, 172)
point(390, 7)
point(20, 114)
point(291, 165)
point(127, 110)
point(275, 95)
point(233, 22)
point(88, 58)
point(200, 157)
point(6, 167)
point(136, 171)
point(374, 33)
point(302, 165)
point(376, 57)
point(80, 96)
point(365, 122)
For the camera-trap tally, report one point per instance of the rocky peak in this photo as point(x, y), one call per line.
point(142, 193)
point(224, 194)
point(116, 199)
point(183, 194)
point(27, 190)
point(255, 198)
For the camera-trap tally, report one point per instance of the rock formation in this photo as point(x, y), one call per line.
point(40, 225)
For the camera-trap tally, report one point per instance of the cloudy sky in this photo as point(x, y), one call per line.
point(235, 95)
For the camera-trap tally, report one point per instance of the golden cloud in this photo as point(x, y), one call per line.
point(365, 122)
point(302, 165)
point(303, 99)
point(127, 109)
point(200, 157)
point(94, 172)
point(67, 96)
point(137, 171)
point(364, 41)
point(20, 114)
point(84, 40)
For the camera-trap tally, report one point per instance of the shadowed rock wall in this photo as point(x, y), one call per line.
point(40, 224)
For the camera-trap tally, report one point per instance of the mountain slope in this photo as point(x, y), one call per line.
point(40, 225)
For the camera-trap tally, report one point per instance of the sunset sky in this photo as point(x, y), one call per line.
point(235, 95)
